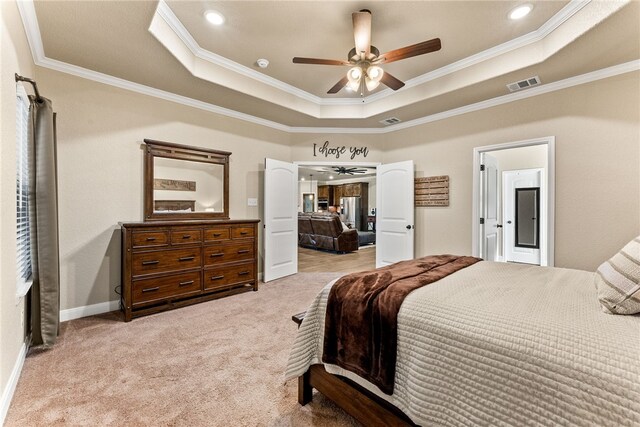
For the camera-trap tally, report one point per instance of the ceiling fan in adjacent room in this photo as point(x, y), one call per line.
point(365, 59)
point(341, 170)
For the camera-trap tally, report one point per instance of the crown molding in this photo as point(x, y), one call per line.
point(593, 76)
point(176, 25)
point(573, 7)
point(578, 17)
point(553, 23)
point(30, 23)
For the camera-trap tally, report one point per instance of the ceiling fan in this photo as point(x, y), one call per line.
point(341, 170)
point(365, 58)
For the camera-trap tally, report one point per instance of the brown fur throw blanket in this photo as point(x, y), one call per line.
point(362, 313)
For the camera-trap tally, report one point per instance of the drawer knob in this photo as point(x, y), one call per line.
point(151, 289)
point(217, 234)
point(155, 261)
point(217, 277)
point(243, 273)
point(244, 232)
point(150, 239)
point(187, 258)
point(217, 255)
point(189, 282)
point(186, 236)
point(243, 251)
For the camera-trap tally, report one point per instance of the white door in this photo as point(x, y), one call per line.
point(523, 215)
point(280, 219)
point(394, 213)
point(490, 207)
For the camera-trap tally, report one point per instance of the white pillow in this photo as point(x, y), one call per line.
point(618, 281)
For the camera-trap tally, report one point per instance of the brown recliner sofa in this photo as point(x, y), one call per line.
point(325, 232)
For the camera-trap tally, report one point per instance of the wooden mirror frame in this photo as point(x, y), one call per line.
point(170, 150)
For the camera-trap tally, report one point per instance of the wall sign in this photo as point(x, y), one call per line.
point(432, 191)
point(339, 150)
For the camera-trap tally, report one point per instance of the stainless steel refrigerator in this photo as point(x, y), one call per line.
point(351, 212)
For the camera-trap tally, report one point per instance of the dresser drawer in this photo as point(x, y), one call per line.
point(225, 276)
point(216, 234)
point(167, 260)
point(242, 232)
point(185, 236)
point(228, 253)
point(148, 239)
point(177, 285)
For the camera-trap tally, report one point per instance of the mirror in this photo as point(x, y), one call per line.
point(184, 182)
point(527, 217)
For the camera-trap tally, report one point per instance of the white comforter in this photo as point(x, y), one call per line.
point(503, 344)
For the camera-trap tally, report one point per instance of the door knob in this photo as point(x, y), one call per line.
point(498, 225)
point(508, 222)
point(408, 227)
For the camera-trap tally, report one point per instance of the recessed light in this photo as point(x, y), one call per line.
point(216, 18)
point(520, 11)
point(302, 179)
point(330, 176)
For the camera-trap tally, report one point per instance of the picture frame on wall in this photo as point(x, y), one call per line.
point(308, 202)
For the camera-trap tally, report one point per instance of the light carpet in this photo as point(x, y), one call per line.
point(219, 363)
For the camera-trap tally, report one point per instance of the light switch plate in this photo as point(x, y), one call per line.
point(252, 202)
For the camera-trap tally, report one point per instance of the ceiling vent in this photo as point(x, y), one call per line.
point(523, 84)
point(390, 121)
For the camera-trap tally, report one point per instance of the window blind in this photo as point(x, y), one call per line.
point(24, 260)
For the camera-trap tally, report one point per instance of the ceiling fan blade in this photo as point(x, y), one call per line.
point(342, 83)
point(316, 61)
point(410, 51)
point(391, 81)
point(362, 31)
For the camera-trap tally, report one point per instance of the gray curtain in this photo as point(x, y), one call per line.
point(43, 194)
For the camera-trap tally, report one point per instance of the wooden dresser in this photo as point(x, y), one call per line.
point(169, 264)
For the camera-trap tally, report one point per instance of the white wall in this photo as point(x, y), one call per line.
point(14, 58)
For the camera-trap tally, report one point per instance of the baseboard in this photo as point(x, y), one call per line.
point(89, 310)
point(10, 388)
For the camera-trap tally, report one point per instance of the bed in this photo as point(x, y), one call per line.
point(491, 344)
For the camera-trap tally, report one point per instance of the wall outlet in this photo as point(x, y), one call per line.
point(252, 202)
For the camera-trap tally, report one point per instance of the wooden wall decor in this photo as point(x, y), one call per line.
point(432, 191)
point(173, 184)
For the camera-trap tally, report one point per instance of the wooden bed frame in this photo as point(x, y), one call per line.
point(358, 402)
point(355, 400)
point(174, 205)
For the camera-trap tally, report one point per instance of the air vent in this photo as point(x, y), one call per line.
point(523, 84)
point(390, 121)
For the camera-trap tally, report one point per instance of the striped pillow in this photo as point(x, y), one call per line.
point(618, 281)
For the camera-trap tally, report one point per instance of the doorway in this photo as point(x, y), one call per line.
point(513, 202)
point(394, 213)
point(345, 189)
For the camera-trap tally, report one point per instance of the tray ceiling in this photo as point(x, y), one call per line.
point(170, 47)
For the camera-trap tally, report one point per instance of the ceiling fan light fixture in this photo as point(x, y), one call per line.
point(371, 84)
point(214, 17)
point(354, 75)
point(520, 11)
point(373, 76)
point(375, 73)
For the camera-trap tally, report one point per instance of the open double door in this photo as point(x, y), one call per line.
point(394, 216)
